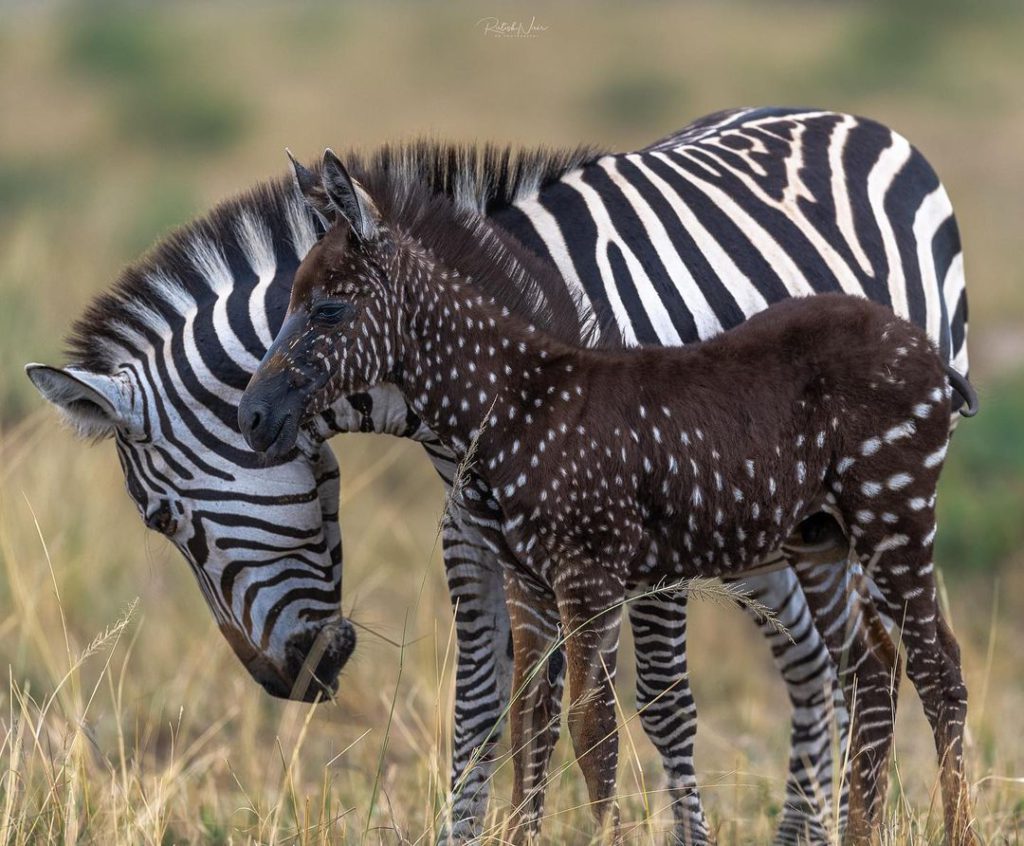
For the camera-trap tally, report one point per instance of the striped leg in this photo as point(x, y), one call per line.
point(896, 547)
point(868, 669)
point(819, 712)
point(665, 701)
point(483, 675)
point(536, 704)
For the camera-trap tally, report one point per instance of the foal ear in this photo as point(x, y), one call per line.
point(313, 192)
point(348, 197)
point(92, 403)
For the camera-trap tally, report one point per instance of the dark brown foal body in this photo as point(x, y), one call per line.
point(612, 468)
point(614, 461)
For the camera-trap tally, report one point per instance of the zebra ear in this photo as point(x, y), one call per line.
point(348, 198)
point(92, 403)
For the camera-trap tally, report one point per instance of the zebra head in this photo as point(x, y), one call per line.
point(263, 543)
point(159, 362)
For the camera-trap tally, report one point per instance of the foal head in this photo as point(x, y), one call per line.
point(341, 331)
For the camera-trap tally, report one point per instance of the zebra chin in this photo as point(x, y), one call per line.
point(313, 660)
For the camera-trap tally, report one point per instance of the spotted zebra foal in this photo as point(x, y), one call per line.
point(618, 468)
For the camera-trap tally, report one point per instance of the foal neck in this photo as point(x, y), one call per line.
point(472, 371)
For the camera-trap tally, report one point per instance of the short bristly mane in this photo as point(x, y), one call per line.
point(477, 178)
point(188, 268)
point(251, 235)
point(495, 263)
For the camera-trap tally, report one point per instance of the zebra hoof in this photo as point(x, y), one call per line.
point(461, 833)
point(691, 835)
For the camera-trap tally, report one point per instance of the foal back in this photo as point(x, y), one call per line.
point(714, 453)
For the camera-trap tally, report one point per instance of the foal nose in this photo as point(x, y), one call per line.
point(262, 422)
point(269, 413)
point(252, 418)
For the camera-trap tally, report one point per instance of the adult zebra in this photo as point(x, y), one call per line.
point(673, 242)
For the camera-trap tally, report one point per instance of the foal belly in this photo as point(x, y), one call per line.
point(686, 547)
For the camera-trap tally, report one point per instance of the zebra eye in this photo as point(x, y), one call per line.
point(331, 312)
point(162, 519)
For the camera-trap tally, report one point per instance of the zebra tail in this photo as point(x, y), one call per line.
point(966, 391)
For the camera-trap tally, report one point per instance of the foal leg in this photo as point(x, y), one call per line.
point(535, 707)
point(901, 562)
point(868, 667)
point(665, 701)
point(948, 727)
point(590, 608)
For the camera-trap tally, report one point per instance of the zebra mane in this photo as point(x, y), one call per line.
point(477, 178)
point(247, 237)
point(269, 225)
point(466, 241)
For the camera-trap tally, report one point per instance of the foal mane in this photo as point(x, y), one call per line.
point(446, 188)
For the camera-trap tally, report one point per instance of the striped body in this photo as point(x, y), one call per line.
point(672, 244)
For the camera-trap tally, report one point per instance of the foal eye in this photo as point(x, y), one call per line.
point(162, 519)
point(330, 312)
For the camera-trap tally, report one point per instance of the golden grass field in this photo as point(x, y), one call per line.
point(124, 718)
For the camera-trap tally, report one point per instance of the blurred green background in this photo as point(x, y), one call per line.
point(123, 120)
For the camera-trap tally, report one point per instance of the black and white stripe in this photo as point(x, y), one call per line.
point(669, 244)
point(159, 362)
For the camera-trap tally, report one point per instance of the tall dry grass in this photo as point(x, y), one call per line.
point(125, 719)
point(123, 716)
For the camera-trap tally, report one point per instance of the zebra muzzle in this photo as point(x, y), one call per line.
point(314, 658)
